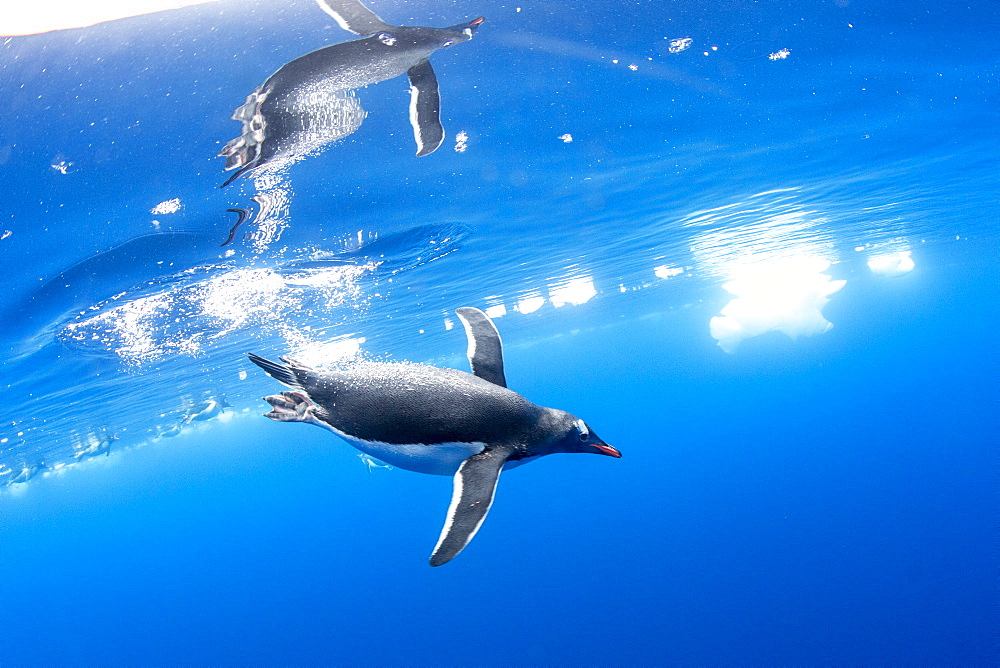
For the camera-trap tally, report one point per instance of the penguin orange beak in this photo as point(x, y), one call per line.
point(606, 449)
point(471, 25)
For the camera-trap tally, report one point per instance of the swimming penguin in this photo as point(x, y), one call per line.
point(434, 420)
point(29, 472)
point(97, 443)
point(309, 102)
point(206, 410)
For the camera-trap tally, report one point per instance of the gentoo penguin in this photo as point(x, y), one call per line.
point(206, 410)
point(97, 443)
point(434, 420)
point(29, 472)
point(309, 102)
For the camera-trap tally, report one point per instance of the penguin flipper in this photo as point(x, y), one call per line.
point(425, 108)
point(485, 348)
point(353, 16)
point(240, 172)
point(475, 483)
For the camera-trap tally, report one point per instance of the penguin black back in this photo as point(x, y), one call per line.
point(434, 420)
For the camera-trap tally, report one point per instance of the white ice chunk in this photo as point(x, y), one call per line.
point(784, 294)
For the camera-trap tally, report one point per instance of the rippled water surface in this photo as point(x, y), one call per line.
point(704, 223)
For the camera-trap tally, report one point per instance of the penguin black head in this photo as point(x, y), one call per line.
point(419, 37)
point(579, 438)
point(461, 32)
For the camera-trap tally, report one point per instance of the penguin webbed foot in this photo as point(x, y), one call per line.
point(290, 407)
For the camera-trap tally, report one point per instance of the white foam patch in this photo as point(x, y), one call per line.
point(784, 294)
point(320, 353)
point(187, 318)
point(237, 298)
point(169, 206)
point(130, 329)
point(496, 311)
point(892, 264)
point(679, 44)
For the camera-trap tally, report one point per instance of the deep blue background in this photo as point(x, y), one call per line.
point(825, 503)
point(829, 500)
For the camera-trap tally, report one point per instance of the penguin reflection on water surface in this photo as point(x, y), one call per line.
point(435, 420)
point(309, 102)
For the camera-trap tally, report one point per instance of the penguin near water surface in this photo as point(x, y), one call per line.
point(435, 420)
point(309, 102)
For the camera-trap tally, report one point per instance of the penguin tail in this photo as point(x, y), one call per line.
point(237, 175)
point(284, 373)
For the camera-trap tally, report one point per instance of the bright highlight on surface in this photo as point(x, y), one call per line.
point(784, 294)
point(318, 353)
point(32, 18)
point(892, 264)
point(185, 319)
point(666, 271)
point(496, 311)
point(576, 291)
point(530, 304)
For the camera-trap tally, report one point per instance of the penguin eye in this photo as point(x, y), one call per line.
point(584, 436)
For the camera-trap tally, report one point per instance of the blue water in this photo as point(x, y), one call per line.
point(795, 494)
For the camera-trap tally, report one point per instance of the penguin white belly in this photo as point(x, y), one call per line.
point(436, 459)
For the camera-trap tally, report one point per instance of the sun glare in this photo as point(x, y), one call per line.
point(785, 294)
point(33, 18)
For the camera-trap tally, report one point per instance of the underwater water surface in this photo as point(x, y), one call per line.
point(753, 244)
